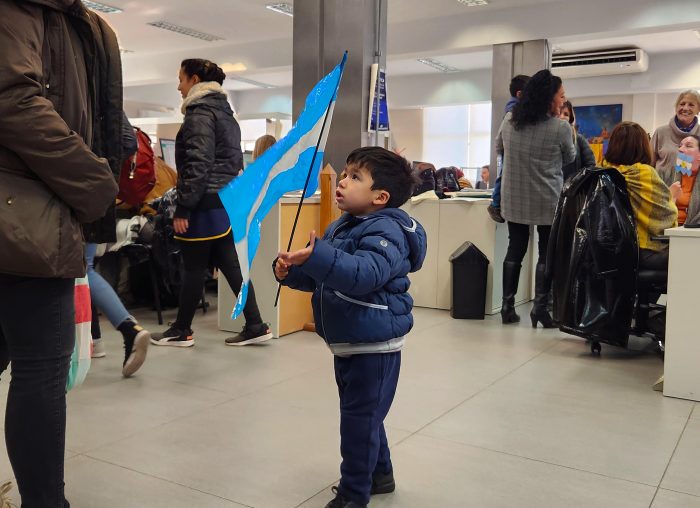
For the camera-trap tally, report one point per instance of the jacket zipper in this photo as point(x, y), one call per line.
point(323, 325)
point(360, 302)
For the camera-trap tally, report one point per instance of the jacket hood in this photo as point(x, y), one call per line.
point(511, 104)
point(59, 5)
point(415, 234)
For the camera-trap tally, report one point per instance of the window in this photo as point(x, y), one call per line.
point(458, 136)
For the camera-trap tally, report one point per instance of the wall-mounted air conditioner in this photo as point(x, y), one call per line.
point(599, 63)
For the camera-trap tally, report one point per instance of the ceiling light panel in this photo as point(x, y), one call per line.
point(473, 3)
point(250, 82)
point(96, 6)
point(185, 31)
point(435, 64)
point(281, 8)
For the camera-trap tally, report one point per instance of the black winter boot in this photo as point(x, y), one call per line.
point(539, 309)
point(511, 275)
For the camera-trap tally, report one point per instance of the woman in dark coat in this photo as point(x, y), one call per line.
point(208, 156)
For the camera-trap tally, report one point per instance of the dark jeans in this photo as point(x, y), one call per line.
point(197, 257)
point(37, 334)
point(366, 386)
point(519, 237)
point(653, 260)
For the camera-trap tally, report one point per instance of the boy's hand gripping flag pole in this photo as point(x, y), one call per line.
point(291, 164)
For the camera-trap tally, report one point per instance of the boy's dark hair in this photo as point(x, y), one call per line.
point(517, 84)
point(206, 70)
point(536, 99)
point(390, 172)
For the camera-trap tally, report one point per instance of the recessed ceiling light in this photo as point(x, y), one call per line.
point(96, 6)
point(697, 33)
point(124, 51)
point(282, 8)
point(435, 64)
point(250, 82)
point(233, 67)
point(473, 3)
point(185, 31)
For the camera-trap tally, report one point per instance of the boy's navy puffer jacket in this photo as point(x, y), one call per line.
point(359, 275)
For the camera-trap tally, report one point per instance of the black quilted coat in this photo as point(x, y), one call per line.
point(207, 153)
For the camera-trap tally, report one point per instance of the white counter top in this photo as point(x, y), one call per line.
point(681, 231)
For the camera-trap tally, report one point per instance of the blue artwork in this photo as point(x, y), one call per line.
point(597, 122)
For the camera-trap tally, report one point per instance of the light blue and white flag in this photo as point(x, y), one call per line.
point(282, 168)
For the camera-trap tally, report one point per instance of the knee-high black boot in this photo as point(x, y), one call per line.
point(511, 275)
point(539, 309)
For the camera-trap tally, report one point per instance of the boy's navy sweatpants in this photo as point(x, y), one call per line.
point(366, 386)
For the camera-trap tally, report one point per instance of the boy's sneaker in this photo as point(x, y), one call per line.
point(253, 334)
point(383, 483)
point(343, 502)
point(173, 337)
point(136, 341)
point(495, 214)
point(98, 349)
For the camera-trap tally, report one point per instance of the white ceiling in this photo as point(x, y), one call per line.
point(445, 30)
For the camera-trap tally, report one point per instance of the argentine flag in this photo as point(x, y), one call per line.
point(280, 169)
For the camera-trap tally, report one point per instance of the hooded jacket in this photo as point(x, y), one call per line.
point(358, 274)
point(50, 179)
point(207, 149)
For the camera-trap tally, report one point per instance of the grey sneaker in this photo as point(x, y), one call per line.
point(253, 334)
point(98, 349)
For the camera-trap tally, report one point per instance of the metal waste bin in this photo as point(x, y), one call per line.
point(469, 272)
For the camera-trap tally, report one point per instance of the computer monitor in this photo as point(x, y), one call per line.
point(167, 148)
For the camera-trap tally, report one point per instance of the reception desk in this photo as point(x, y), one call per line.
point(449, 223)
point(294, 309)
point(681, 372)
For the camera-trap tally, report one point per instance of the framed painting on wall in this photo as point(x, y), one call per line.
point(596, 123)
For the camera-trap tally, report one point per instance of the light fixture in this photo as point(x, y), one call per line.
point(442, 67)
point(281, 8)
point(96, 6)
point(124, 51)
point(165, 25)
point(250, 82)
point(473, 3)
point(233, 67)
point(697, 33)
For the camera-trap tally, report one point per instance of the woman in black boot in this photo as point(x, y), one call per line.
point(535, 144)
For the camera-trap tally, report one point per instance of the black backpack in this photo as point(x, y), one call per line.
point(425, 172)
point(446, 180)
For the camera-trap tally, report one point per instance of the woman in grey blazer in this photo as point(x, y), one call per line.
point(535, 144)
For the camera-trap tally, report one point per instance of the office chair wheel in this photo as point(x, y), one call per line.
point(595, 348)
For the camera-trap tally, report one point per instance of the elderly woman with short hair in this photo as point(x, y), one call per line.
point(667, 138)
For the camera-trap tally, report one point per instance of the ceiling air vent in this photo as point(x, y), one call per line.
point(599, 63)
point(165, 25)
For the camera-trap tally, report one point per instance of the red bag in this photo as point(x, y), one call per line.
point(138, 174)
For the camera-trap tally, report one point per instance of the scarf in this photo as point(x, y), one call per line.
point(200, 90)
point(654, 209)
point(686, 129)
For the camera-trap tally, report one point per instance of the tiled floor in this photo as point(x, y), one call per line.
point(486, 416)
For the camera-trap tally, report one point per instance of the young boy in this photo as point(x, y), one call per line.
point(358, 274)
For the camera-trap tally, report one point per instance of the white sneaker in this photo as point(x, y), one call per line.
point(98, 349)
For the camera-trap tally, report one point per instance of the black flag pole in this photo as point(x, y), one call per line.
point(308, 177)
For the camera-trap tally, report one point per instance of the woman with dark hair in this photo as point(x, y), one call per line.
point(629, 151)
point(535, 144)
point(584, 155)
point(208, 156)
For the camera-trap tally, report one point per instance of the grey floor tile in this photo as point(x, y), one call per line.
point(94, 484)
point(254, 452)
point(436, 473)
point(683, 473)
point(670, 499)
point(538, 412)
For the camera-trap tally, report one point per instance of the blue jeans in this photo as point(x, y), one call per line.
point(102, 294)
point(366, 386)
point(496, 196)
point(37, 334)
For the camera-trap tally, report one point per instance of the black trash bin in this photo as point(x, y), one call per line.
point(469, 270)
